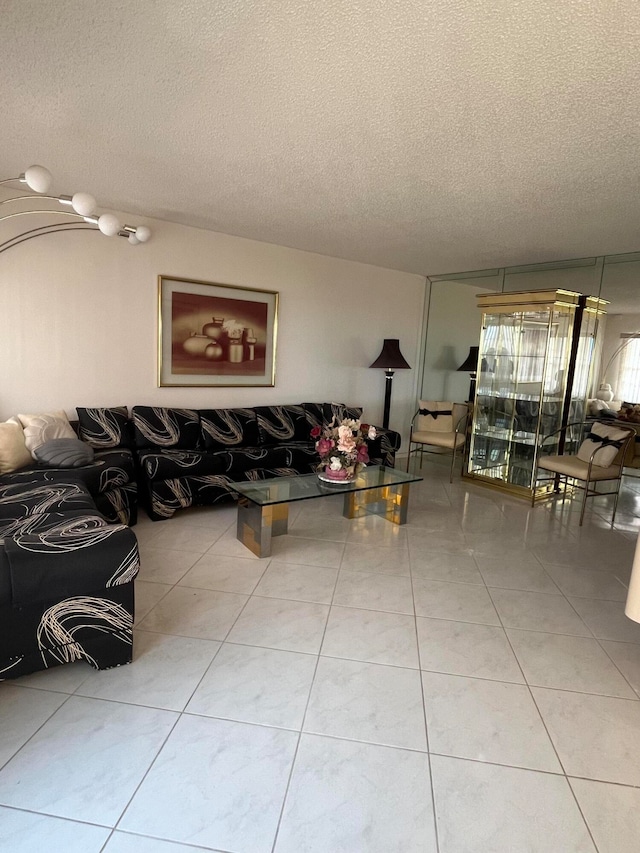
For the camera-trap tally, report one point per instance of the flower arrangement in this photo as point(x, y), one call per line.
point(342, 448)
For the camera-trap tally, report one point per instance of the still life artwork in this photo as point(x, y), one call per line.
point(215, 334)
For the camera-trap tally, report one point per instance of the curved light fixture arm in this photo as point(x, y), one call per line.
point(625, 343)
point(42, 232)
point(39, 180)
point(33, 212)
point(29, 197)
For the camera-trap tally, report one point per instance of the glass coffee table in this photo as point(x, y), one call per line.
point(263, 505)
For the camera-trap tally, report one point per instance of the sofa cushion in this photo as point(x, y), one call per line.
point(282, 423)
point(13, 450)
point(120, 504)
point(250, 458)
point(44, 427)
point(314, 413)
point(64, 453)
point(33, 524)
point(223, 428)
point(300, 457)
point(21, 499)
point(105, 428)
point(339, 411)
point(155, 426)
point(109, 469)
point(72, 557)
point(163, 464)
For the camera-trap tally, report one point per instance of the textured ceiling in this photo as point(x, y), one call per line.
point(423, 135)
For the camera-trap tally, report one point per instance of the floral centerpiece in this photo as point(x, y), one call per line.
point(342, 448)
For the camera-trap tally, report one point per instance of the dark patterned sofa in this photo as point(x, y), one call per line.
point(66, 577)
point(68, 557)
point(189, 456)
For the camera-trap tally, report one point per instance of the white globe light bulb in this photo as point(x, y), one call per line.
point(143, 233)
point(38, 178)
point(133, 240)
point(108, 224)
point(83, 203)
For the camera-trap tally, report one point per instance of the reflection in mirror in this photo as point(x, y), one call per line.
point(453, 326)
point(453, 323)
point(618, 378)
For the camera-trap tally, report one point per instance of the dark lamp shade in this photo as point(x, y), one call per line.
point(391, 358)
point(470, 364)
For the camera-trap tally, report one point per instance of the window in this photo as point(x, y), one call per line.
point(627, 386)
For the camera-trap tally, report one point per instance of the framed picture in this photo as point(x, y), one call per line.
point(215, 334)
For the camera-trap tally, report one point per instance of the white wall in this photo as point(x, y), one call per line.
point(78, 322)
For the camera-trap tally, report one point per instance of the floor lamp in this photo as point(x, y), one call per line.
point(470, 366)
point(391, 359)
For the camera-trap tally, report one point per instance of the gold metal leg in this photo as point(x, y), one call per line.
point(391, 502)
point(256, 525)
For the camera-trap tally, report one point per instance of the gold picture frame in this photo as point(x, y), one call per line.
point(212, 334)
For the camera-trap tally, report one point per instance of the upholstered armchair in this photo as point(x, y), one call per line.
point(600, 458)
point(441, 426)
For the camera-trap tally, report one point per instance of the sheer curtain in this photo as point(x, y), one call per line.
point(627, 385)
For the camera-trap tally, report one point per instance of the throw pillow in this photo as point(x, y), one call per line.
point(435, 416)
point(102, 428)
point(44, 427)
point(13, 450)
point(64, 453)
point(608, 439)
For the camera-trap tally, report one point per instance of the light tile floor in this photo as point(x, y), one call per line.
point(465, 684)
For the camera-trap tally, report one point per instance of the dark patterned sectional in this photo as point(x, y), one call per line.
point(189, 456)
point(68, 559)
point(67, 555)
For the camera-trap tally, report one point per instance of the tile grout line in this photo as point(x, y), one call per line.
point(304, 715)
point(179, 717)
point(424, 713)
point(551, 741)
point(33, 734)
point(528, 686)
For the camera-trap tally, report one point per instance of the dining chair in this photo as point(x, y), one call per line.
point(600, 458)
point(439, 425)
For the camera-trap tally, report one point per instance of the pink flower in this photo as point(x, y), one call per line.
point(347, 443)
point(363, 456)
point(324, 446)
point(315, 432)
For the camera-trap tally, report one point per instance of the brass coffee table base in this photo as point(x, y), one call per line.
point(257, 524)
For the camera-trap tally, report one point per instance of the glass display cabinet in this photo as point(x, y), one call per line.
point(536, 350)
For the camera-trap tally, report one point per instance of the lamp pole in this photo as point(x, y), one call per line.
point(388, 375)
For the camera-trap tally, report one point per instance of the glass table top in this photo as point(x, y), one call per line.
point(304, 486)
